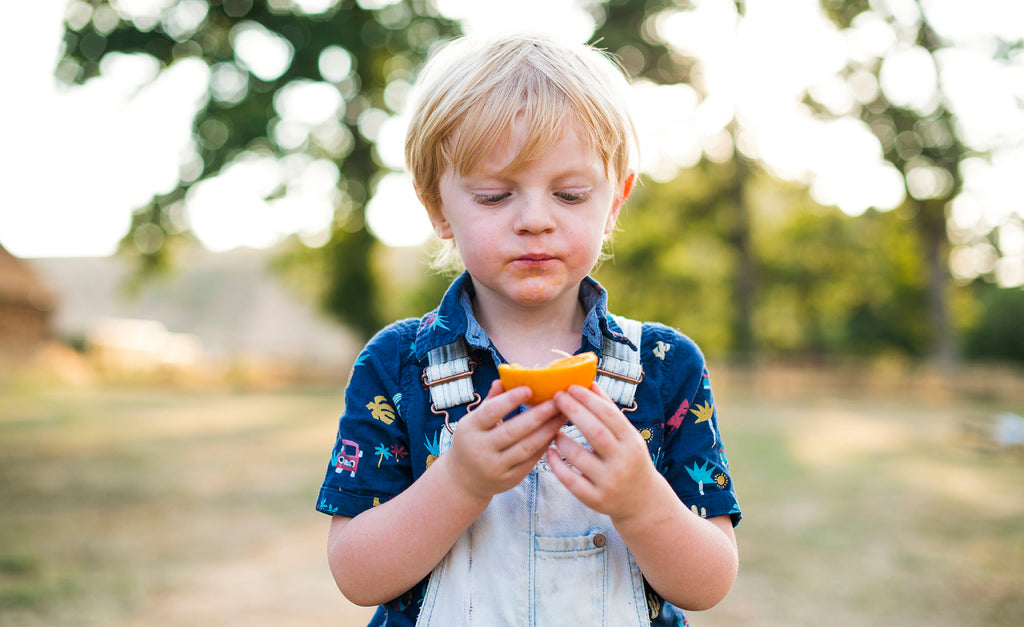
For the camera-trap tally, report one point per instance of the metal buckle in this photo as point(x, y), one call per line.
point(454, 377)
point(621, 377)
point(447, 418)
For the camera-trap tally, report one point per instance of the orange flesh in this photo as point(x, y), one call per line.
point(546, 380)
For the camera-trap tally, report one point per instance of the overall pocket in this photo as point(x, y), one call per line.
point(570, 581)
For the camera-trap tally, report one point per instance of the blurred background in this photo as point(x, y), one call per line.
point(205, 216)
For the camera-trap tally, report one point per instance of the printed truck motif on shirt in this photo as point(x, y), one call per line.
point(348, 458)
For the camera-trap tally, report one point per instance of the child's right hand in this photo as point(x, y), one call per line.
point(490, 455)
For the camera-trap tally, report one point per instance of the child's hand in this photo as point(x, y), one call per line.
point(617, 476)
point(490, 455)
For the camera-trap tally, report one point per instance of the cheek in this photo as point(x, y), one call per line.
point(586, 244)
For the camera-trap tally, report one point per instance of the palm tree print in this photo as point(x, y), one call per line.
point(398, 451)
point(700, 474)
point(433, 449)
point(382, 453)
point(705, 413)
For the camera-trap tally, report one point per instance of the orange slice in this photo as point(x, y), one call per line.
point(545, 381)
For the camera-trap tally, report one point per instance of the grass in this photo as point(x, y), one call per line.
point(135, 506)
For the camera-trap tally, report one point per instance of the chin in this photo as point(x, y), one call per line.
point(539, 290)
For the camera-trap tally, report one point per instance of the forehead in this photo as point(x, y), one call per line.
point(520, 146)
point(475, 147)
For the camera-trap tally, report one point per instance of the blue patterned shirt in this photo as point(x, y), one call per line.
point(388, 435)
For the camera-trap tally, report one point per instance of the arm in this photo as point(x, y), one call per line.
point(384, 551)
point(690, 561)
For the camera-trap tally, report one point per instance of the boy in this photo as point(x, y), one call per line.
point(472, 508)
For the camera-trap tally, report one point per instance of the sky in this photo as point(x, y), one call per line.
point(79, 159)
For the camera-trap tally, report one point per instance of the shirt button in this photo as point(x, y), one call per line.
point(599, 540)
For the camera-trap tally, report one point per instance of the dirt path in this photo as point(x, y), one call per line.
point(283, 581)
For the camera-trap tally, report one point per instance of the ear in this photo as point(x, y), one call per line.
point(442, 229)
point(621, 195)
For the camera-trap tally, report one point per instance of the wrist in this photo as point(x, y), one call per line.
point(461, 487)
point(654, 503)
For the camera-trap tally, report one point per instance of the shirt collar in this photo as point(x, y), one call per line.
point(454, 318)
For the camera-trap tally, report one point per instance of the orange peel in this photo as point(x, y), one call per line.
point(554, 377)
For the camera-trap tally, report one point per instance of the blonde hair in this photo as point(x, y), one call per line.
point(480, 87)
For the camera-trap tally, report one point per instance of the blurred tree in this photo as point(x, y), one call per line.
point(836, 284)
point(828, 283)
point(996, 333)
point(920, 136)
point(358, 48)
point(629, 30)
point(672, 242)
point(353, 50)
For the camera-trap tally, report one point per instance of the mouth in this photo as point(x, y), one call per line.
point(535, 257)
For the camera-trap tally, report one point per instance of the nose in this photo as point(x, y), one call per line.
point(534, 215)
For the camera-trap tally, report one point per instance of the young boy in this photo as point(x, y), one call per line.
point(453, 503)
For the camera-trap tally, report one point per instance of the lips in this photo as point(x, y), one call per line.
point(535, 257)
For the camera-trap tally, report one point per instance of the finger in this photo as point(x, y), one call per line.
point(532, 446)
point(576, 454)
point(601, 405)
point(602, 440)
point(576, 483)
point(498, 404)
point(510, 432)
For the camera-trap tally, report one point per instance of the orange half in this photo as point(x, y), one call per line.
point(545, 381)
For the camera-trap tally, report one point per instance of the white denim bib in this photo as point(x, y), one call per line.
point(537, 556)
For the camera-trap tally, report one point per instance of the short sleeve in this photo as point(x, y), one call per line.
point(370, 461)
point(693, 454)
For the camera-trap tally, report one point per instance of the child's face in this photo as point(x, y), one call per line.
point(529, 237)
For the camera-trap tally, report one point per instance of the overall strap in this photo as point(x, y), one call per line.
point(619, 370)
point(448, 375)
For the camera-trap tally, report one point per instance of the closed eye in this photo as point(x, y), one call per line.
point(573, 198)
point(490, 199)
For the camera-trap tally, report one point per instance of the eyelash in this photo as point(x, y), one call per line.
point(572, 198)
point(490, 199)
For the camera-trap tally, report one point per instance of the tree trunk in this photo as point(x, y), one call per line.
point(745, 276)
point(931, 221)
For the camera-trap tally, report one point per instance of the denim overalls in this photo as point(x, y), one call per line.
point(537, 555)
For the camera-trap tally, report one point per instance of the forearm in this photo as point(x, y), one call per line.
point(385, 551)
point(690, 561)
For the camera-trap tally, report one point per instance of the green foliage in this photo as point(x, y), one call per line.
point(670, 245)
point(832, 283)
point(722, 252)
point(384, 45)
point(997, 332)
point(350, 285)
point(828, 283)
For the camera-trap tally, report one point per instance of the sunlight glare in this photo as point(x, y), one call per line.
point(395, 214)
point(309, 103)
point(558, 19)
point(264, 53)
point(908, 79)
point(232, 209)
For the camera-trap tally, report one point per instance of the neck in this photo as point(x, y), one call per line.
point(528, 334)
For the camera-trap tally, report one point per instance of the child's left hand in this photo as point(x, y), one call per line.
point(617, 476)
